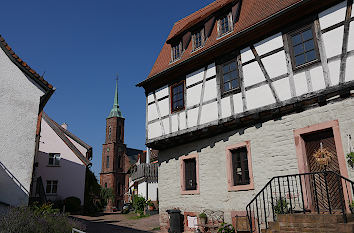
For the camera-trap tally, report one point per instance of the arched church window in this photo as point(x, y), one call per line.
point(109, 132)
point(119, 132)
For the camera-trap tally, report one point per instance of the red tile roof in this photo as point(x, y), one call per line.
point(251, 13)
point(23, 65)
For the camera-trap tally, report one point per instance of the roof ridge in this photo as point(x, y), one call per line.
point(23, 65)
point(54, 125)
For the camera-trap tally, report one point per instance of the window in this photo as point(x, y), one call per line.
point(107, 161)
point(109, 132)
point(176, 51)
point(54, 159)
point(230, 78)
point(225, 24)
point(239, 168)
point(177, 96)
point(303, 47)
point(198, 39)
point(189, 174)
point(119, 128)
point(52, 186)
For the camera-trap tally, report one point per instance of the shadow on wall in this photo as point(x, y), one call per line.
point(11, 190)
point(70, 176)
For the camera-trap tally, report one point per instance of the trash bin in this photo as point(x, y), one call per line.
point(175, 221)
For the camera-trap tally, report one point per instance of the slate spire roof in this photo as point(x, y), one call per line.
point(115, 112)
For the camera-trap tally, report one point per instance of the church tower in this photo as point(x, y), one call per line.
point(113, 174)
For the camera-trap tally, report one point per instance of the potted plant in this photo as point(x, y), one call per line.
point(202, 218)
point(226, 228)
point(150, 205)
point(350, 157)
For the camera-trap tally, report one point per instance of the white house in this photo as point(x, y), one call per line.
point(61, 162)
point(243, 92)
point(23, 95)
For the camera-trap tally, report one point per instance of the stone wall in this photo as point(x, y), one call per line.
point(272, 151)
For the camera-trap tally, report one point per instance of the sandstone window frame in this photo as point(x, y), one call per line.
point(229, 167)
point(182, 159)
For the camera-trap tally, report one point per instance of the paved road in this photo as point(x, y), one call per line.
point(107, 223)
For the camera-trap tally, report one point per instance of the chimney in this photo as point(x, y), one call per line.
point(64, 125)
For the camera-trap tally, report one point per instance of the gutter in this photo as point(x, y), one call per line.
point(281, 12)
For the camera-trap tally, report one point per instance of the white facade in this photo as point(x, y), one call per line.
point(69, 174)
point(205, 106)
point(19, 104)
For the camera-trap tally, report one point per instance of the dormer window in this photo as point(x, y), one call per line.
point(198, 39)
point(177, 51)
point(225, 24)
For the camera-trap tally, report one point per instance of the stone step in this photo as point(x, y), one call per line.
point(345, 227)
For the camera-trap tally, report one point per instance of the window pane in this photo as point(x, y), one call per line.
point(57, 159)
point(299, 60)
point(226, 69)
point(296, 39)
point(234, 84)
point(307, 34)
point(298, 49)
point(54, 187)
point(227, 86)
point(309, 45)
point(233, 66)
point(227, 77)
point(49, 185)
point(311, 55)
point(233, 75)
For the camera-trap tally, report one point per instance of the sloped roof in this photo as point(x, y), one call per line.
point(64, 134)
point(24, 67)
point(133, 155)
point(251, 13)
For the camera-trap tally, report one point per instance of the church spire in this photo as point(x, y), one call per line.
point(115, 112)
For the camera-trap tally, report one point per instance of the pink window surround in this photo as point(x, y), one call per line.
point(182, 174)
point(230, 178)
point(301, 151)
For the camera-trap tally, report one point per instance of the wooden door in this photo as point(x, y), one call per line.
point(326, 190)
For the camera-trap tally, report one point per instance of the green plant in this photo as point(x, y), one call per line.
point(149, 203)
point(93, 203)
point(226, 228)
point(202, 215)
point(139, 204)
point(281, 206)
point(72, 204)
point(106, 195)
point(350, 157)
point(37, 219)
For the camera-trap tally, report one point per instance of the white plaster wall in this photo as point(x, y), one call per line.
point(82, 149)
point(210, 90)
point(225, 107)
point(246, 55)
point(166, 125)
point(164, 107)
point(282, 88)
point(162, 92)
point(71, 172)
point(272, 150)
point(209, 113)
point(192, 117)
point(152, 112)
point(182, 121)
point(351, 36)
point(317, 79)
point(269, 44)
point(252, 74)
point(194, 77)
point(332, 15)
point(142, 189)
point(238, 104)
point(333, 41)
point(152, 190)
point(19, 104)
point(300, 84)
point(193, 95)
point(349, 73)
point(154, 130)
point(334, 68)
point(150, 98)
point(174, 120)
point(211, 71)
point(259, 97)
point(275, 64)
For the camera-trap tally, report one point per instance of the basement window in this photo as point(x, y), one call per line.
point(177, 96)
point(52, 186)
point(239, 168)
point(54, 159)
point(189, 174)
point(303, 47)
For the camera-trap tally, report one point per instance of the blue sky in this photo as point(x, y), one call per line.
point(82, 45)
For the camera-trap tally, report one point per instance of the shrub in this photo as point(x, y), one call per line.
point(139, 204)
point(281, 206)
point(72, 204)
point(226, 228)
point(41, 219)
point(202, 215)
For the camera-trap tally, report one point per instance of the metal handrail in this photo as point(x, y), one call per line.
point(300, 193)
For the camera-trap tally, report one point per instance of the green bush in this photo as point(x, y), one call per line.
point(226, 228)
point(42, 219)
point(139, 204)
point(72, 204)
point(281, 206)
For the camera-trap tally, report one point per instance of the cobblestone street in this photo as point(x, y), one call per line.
point(108, 223)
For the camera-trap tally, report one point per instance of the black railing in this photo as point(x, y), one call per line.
point(316, 192)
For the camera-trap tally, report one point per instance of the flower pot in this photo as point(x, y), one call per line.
point(150, 207)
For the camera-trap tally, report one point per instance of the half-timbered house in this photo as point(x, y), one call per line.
point(243, 92)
